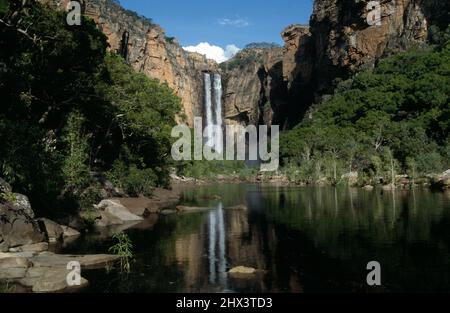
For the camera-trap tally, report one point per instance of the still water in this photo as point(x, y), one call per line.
point(299, 239)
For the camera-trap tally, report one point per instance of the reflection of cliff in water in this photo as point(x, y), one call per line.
point(301, 240)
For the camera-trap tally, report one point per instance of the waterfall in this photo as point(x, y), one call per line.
point(209, 113)
point(213, 108)
point(218, 136)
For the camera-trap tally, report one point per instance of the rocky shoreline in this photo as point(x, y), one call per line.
point(47, 272)
point(402, 182)
point(25, 241)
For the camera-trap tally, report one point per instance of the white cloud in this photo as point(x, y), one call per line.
point(236, 22)
point(231, 51)
point(215, 53)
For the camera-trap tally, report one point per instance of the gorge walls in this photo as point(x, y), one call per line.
point(274, 85)
point(145, 46)
point(279, 85)
point(341, 42)
point(344, 41)
point(252, 79)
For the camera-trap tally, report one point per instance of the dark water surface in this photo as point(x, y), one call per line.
point(301, 240)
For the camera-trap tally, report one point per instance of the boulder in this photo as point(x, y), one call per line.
point(144, 206)
point(37, 247)
point(21, 202)
point(13, 267)
point(137, 206)
point(242, 270)
point(94, 261)
point(69, 232)
point(443, 181)
point(17, 227)
point(46, 271)
point(351, 178)
point(107, 219)
point(4, 186)
point(54, 230)
point(114, 213)
point(14, 261)
point(368, 187)
point(49, 271)
point(54, 280)
point(27, 254)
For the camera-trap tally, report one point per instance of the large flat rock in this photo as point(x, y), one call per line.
point(51, 280)
point(49, 259)
point(47, 271)
point(114, 213)
point(142, 206)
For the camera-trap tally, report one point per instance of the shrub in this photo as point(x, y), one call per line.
point(75, 169)
point(124, 249)
point(132, 180)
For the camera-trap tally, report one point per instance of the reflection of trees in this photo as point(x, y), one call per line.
point(401, 230)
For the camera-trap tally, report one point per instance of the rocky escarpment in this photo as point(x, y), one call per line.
point(145, 46)
point(253, 86)
point(342, 39)
point(345, 38)
point(274, 85)
point(261, 85)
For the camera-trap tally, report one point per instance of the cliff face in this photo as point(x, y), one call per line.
point(273, 85)
point(340, 41)
point(253, 86)
point(344, 37)
point(262, 85)
point(145, 46)
point(345, 41)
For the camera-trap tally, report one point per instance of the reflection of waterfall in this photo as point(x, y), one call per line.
point(213, 107)
point(216, 250)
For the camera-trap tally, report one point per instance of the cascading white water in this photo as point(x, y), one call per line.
point(209, 112)
point(213, 108)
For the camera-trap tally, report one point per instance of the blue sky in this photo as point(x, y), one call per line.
point(223, 23)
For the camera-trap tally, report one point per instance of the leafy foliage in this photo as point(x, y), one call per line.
point(69, 109)
point(262, 45)
point(124, 249)
point(398, 112)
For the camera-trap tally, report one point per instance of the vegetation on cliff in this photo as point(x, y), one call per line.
point(262, 45)
point(392, 120)
point(70, 109)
